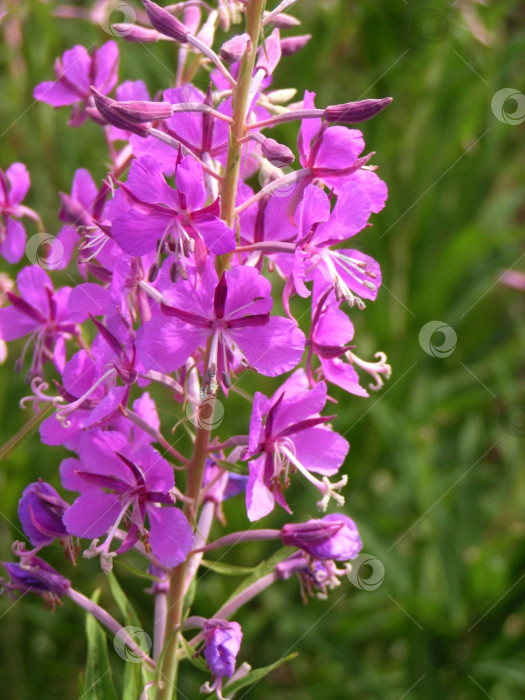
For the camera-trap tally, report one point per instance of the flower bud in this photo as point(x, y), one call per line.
point(223, 641)
point(284, 21)
point(106, 108)
point(355, 112)
point(332, 537)
point(40, 511)
point(34, 575)
point(233, 50)
point(293, 44)
point(166, 23)
point(138, 111)
point(277, 153)
point(133, 32)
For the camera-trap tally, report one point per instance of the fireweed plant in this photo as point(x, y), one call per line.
point(199, 227)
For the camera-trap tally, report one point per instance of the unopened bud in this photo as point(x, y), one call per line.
point(133, 32)
point(293, 44)
point(284, 21)
point(106, 108)
point(166, 23)
point(138, 111)
point(233, 50)
point(355, 112)
point(277, 152)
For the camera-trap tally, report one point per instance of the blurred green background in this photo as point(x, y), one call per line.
point(436, 478)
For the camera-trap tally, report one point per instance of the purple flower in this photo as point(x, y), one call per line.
point(14, 184)
point(223, 641)
point(75, 73)
point(332, 155)
point(332, 537)
point(40, 510)
point(235, 312)
point(330, 336)
point(41, 313)
point(120, 485)
point(289, 435)
point(148, 214)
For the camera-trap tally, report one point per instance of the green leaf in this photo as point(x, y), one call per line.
point(197, 661)
point(256, 675)
point(227, 569)
point(234, 467)
point(98, 681)
point(122, 601)
point(135, 571)
point(264, 568)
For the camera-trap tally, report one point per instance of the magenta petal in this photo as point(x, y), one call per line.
point(248, 293)
point(15, 324)
point(170, 534)
point(92, 514)
point(98, 453)
point(19, 180)
point(350, 215)
point(107, 67)
point(88, 299)
point(166, 344)
point(339, 148)
point(273, 348)
point(373, 186)
point(14, 244)
point(189, 179)
point(158, 473)
point(137, 233)
point(342, 374)
point(108, 406)
point(84, 189)
point(294, 409)
point(55, 94)
point(70, 479)
point(77, 65)
point(321, 450)
point(145, 180)
point(31, 282)
point(259, 499)
point(218, 237)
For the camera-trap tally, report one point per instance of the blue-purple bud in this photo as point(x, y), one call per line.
point(355, 112)
point(233, 50)
point(333, 537)
point(34, 575)
point(277, 153)
point(139, 111)
point(40, 511)
point(106, 108)
point(223, 641)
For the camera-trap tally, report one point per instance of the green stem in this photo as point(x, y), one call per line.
point(167, 672)
point(254, 13)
